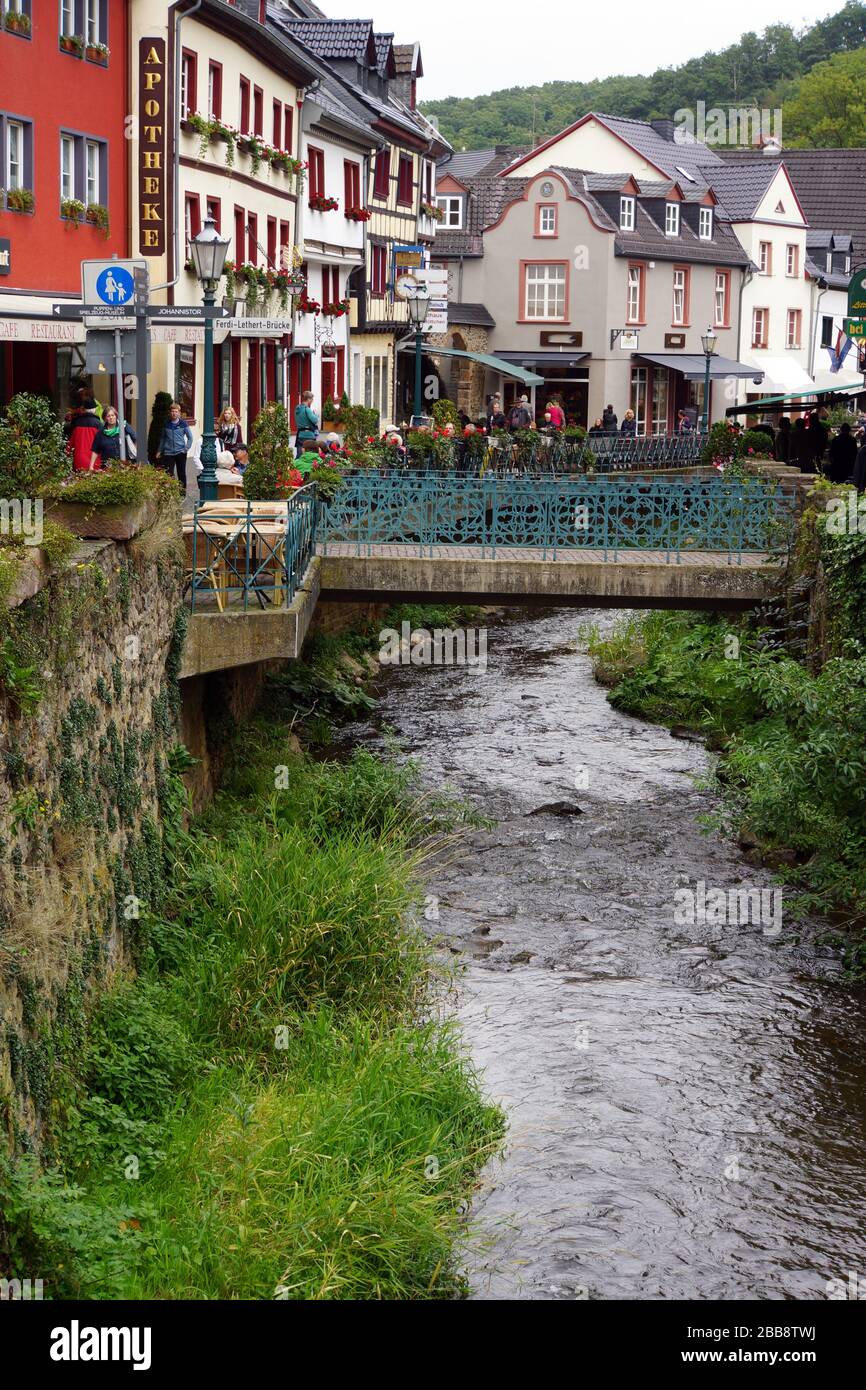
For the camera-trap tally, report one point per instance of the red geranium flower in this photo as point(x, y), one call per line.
point(296, 479)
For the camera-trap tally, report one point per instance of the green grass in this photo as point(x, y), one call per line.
point(296, 1115)
point(793, 771)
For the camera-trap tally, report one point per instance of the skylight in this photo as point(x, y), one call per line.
point(686, 175)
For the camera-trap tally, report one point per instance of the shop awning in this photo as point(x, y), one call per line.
point(693, 366)
point(785, 378)
point(774, 404)
point(566, 358)
point(825, 380)
point(496, 364)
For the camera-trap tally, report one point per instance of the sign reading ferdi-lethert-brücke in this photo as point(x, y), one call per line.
point(152, 101)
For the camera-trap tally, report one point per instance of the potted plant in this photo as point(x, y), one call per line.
point(330, 414)
point(336, 310)
point(256, 150)
point(306, 305)
point(72, 210)
point(19, 200)
point(72, 43)
point(113, 503)
point(97, 216)
point(319, 202)
point(98, 53)
point(357, 214)
point(18, 23)
point(431, 210)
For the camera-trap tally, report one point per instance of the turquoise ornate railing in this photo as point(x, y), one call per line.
point(238, 553)
point(557, 516)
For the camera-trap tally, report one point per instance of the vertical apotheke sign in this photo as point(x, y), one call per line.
point(152, 99)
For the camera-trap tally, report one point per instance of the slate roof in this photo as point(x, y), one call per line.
point(488, 197)
point(740, 185)
point(384, 43)
point(328, 96)
point(471, 315)
point(404, 57)
point(327, 38)
point(831, 186)
point(648, 239)
point(667, 155)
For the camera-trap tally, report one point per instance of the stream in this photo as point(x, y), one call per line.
point(686, 1103)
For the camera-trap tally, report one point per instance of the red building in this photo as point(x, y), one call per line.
point(63, 165)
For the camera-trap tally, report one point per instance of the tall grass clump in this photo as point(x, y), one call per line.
point(274, 1108)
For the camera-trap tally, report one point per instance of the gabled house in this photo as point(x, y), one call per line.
point(601, 282)
point(377, 85)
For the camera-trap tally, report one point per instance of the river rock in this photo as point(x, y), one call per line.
point(690, 735)
point(558, 808)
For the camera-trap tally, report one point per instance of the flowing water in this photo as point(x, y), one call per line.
point(687, 1103)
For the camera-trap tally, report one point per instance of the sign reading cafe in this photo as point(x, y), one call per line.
point(152, 99)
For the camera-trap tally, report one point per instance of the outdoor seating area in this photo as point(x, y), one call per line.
point(240, 552)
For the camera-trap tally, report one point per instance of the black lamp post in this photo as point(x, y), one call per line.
point(708, 343)
point(418, 304)
point(208, 251)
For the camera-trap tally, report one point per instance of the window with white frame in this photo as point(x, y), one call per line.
point(67, 17)
point(83, 169)
point(634, 297)
point(672, 219)
point(705, 224)
point(720, 315)
point(760, 323)
point(376, 385)
point(547, 220)
point(638, 397)
point(21, 7)
point(67, 167)
point(626, 213)
point(765, 258)
point(679, 309)
point(792, 259)
point(545, 291)
point(91, 20)
point(453, 210)
point(14, 154)
point(91, 172)
point(187, 85)
point(792, 335)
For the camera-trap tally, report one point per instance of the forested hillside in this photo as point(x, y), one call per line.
point(817, 75)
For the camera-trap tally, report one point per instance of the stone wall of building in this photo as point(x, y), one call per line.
point(467, 378)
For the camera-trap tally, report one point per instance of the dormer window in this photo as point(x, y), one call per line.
point(672, 219)
point(705, 224)
point(626, 214)
point(453, 210)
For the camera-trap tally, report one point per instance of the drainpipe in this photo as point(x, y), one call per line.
point(813, 327)
point(175, 135)
point(745, 280)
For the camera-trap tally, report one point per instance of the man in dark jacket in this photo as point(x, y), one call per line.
point(609, 420)
point(842, 456)
point(859, 478)
point(519, 417)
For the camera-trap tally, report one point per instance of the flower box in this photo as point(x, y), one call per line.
point(357, 214)
point(18, 24)
point(116, 523)
point(72, 43)
point(97, 54)
point(319, 203)
point(19, 200)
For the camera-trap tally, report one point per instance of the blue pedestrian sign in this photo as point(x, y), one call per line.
point(115, 286)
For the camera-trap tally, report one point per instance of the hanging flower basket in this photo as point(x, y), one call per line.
point(431, 210)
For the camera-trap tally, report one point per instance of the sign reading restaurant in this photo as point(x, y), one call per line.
point(152, 97)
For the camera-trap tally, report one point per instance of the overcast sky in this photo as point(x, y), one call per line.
point(474, 46)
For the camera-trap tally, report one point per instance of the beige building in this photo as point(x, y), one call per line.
point(224, 92)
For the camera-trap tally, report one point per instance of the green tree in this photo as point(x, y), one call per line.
point(31, 446)
point(829, 109)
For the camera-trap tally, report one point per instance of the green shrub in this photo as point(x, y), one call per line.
point(120, 485)
point(271, 457)
point(445, 412)
point(32, 451)
point(754, 442)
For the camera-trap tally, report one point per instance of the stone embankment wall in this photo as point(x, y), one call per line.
point(90, 709)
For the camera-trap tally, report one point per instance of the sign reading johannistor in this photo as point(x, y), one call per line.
point(152, 97)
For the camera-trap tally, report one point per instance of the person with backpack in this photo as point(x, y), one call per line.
point(106, 444)
point(519, 417)
point(85, 428)
point(306, 424)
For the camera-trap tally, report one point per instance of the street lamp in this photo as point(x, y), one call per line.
point(208, 251)
point(709, 342)
point(418, 303)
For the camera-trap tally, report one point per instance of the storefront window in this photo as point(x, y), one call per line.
point(660, 401)
point(376, 393)
point(638, 397)
point(184, 381)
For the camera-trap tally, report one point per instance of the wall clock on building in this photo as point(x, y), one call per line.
point(547, 189)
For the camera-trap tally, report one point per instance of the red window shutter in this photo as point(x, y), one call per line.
point(214, 210)
point(284, 245)
point(245, 106)
point(341, 372)
point(347, 187)
point(329, 380)
point(240, 236)
point(278, 125)
point(258, 111)
point(272, 243)
point(288, 125)
point(253, 236)
point(404, 180)
point(382, 178)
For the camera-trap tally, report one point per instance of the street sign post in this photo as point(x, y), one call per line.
point(169, 312)
point(110, 282)
point(141, 284)
point(99, 349)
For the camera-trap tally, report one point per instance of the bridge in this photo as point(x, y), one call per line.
point(256, 571)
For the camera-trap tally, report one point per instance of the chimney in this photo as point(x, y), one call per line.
point(664, 127)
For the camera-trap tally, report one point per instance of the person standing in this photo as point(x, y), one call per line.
point(842, 455)
point(106, 444)
point(306, 424)
point(629, 424)
point(495, 413)
point(609, 420)
point(519, 417)
point(684, 422)
point(85, 428)
point(175, 444)
point(782, 442)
